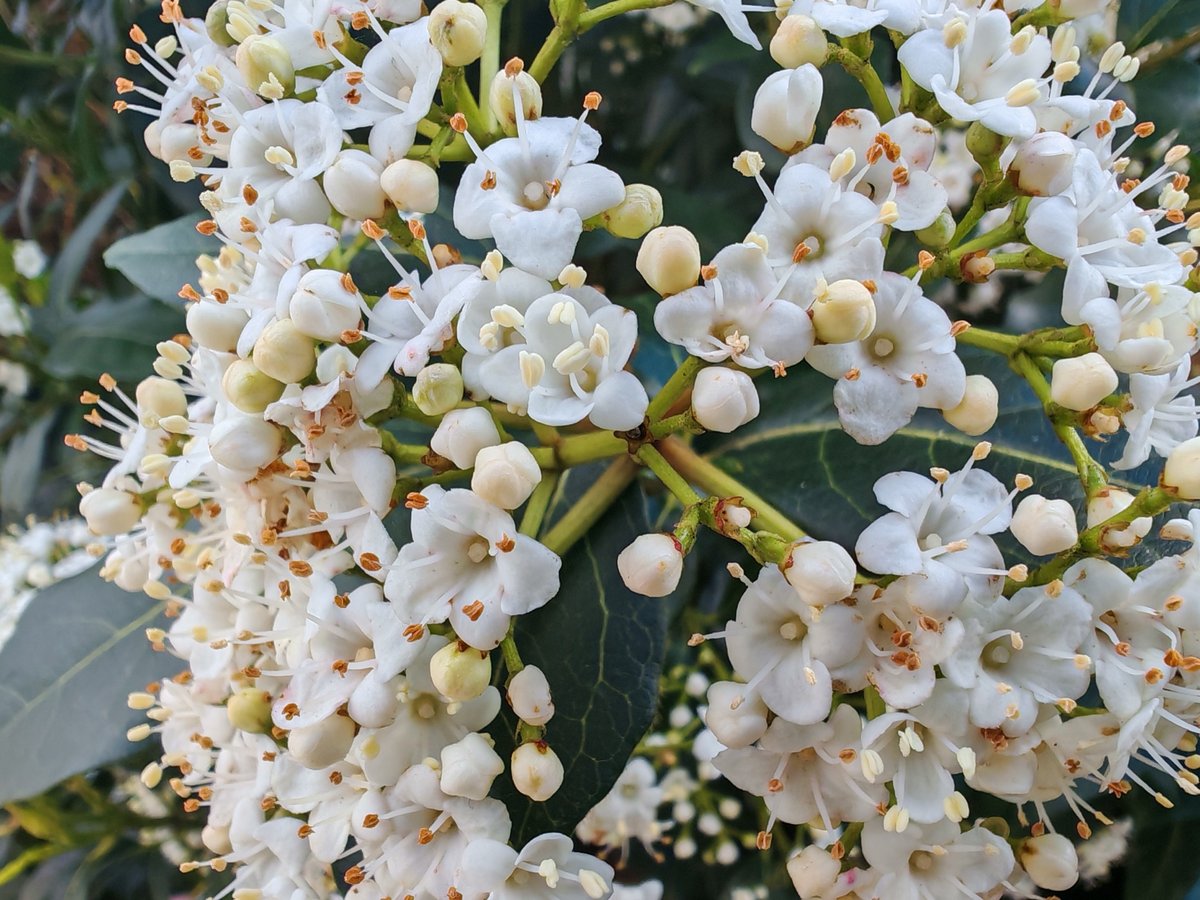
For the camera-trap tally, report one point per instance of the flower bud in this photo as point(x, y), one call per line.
point(373, 704)
point(813, 871)
point(1182, 471)
point(786, 106)
point(266, 66)
point(469, 767)
point(529, 696)
point(724, 399)
point(457, 31)
point(439, 388)
point(244, 442)
point(250, 710)
point(1050, 860)
point(215, 21)
point(216, 326)
point(411, 185)
point(505, 475)
point(1080, 382)
point(844, 312)
point(1043, 164)
point(669, 259)
point(284, 353)
point(641, 210)
point(1107, 503)
point(462, 433)
point(158, 398)
point(216, 839)
point(822, 572)
point(983, 143)
point(177, 140)
point(799, 41)
point(337, 360)
point(939, 233)
point(1044, 526)
point(977, 411)
point(501, 97)
point(536, 771)
point(460, 672)
point(249, 389)
point(109, 511)
point(737, 718)
point(322, 307)
point(352, 185)
point(651, 565)
point(323, 743)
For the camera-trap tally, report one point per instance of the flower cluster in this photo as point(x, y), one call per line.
point(33, 558)
point(337, 595)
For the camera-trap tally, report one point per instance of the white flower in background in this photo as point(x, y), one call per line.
point(548, 866)
point(14, 378)
point(846, 18)
point(629, 812)
point(28, 258)
point(1161, 416)
point(936, 860)
point(12, 319)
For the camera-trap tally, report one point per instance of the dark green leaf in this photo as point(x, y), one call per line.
point(22, 463)
point(68, 266)
point(1171, 93)
point(117, 337)
point(160, 261)
point(601, 647)
point(1141, 21)
point(78, 651)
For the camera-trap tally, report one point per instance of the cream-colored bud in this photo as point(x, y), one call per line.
point(353, 187)
point(458, 31)
point(1043, 164)
point(411, 185)
point(536, 771)
point(244, 442)
point(322, 744)
point(724, 399)
point(529, 696)
point(1081, 382)
point(249, 389)
point(641, 210)
point(799, 41)
point(651, 565)
point(844, 312)
point(250, 710)
point(109, 511)
point(813, 871)
point(462, 433)
point(669, 259)
point(1051, 861)
point(501, 97)
point(158, 398)
point(469, 766)
point(786, 106)
point(1044, 526)
point(1107, 503)
point(460, 672)
point(977, 411)
point(438, 389)
point(821, 572)
point(505, 475)
point(284, 353)
point(325, 305)
point(1182, 471)
point(215, 22)
point(216, 326)
point(266, 66)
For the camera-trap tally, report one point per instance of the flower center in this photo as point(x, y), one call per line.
point(921, 861)
point(478, 550)
point(883, 347)
point(793, 630)
point(425, 706)
point(998, 652)
point(535, 196)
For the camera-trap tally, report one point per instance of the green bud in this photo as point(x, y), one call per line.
point(249, 389)
point(250, 710)
point(641, 210)
point(267, 66)
point(983, 143)
point(939, 233)
point(438, 390)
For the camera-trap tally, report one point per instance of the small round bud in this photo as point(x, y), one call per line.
point(462, 433)
point(641, 210)
point(249, 389)
point(799, 41)
point(244, 443)
point(822, 572)
point(1043, 164)
point(651, 565)
point(505, 475)
point(284, 353)
point(1044, 526)
point(1182, 471)
point(411, 185)
point(501, 97)
point(216, 839)
point(786, 106)
point(158, 398)
point(266, 66)
point(669, 259)
point(469, 767)
point(323, 743)
point(324, 305)
point(373, 704)
point(460, 672)
point(844, 312)
point(250, 710)
point(438, 389)
point(983, 143)
point(536, 771)
point(109, 511)
point(1079, 383)
point(1107, 503)
point(216, 326)
point(352, 185)
point(736, 717)
point(939, 233)
point(813, 871)
point(215, 21)
point(529, 696)
point(724, 399)
point(1050, 860)
point(457, 31)
point(177, 141)
point(978, 409)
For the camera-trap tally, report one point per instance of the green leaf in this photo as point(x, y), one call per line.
point(601, 647)
point(23, 462)
point(1171, 93)
point(160, 261)
point(68, 266)
point(1141, 21)
point(117, 337)
point(77, 652)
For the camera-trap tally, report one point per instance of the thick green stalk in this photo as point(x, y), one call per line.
point(489, 62)
point(649, 456)
point(591, 506)
point(675, 387)
point(539, 502)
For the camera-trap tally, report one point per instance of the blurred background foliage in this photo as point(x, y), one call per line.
point(75, 178)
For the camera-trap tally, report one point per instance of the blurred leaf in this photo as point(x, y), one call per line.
point(69, 264)
point(1171, 93)
point(160, 261)
point(601, 646)
point(1141, 21)
point(117, 337)
point(22, 463)
point(66, 671)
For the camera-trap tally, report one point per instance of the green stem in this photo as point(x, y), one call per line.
point(403, 454)
point(683, 423)
point(616, 8)
point(862, 70)
point(489, 62)
point(875, 705)
point(595, 501)
point(675, 387)
point(574, 22)
point(539, 502)
point(1006, 344)
point(649, 456)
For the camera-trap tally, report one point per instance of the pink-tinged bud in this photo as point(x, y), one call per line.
point(651, 565)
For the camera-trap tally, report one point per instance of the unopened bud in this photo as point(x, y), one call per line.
point(266, 66)
point(844, 312)
point(1081, 382)
point(1182, 471)
point(738, 718)
point(724, 399)
point(469, 766)
point(536, 771)
point(978, 409)
point(501, 97)
point(462, 433)
point(813, 871)
point(438, 389)
point(1051, 861)
point(216, 326)
point(215, 22)
point(284, 353)
point(669, 259)
point(505, 475)
point(1043, 164)
point(322, 744)
point(1044, 526)
point(651, 565)
point(249, 389)
point(460, 672)
point(352, 184)
point(641, 210)
point(324, 305)
point(250, 710)
point(244, 442)
point(799, 41)
point(411, 185)
point(109, 511)
point(458, 31)
point(822, 572)
point(158, 398)
point(786, 106)
point(939, 233)
point(1107, 503)
point(529, 696)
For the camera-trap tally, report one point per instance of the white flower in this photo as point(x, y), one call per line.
point(12, 319)
point(546, 867)
point(734, 17)
point(531, 193)
point(846, 18)
point(628, 811)
point(28, 259)
point(1161, 416)
point(936, 860)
